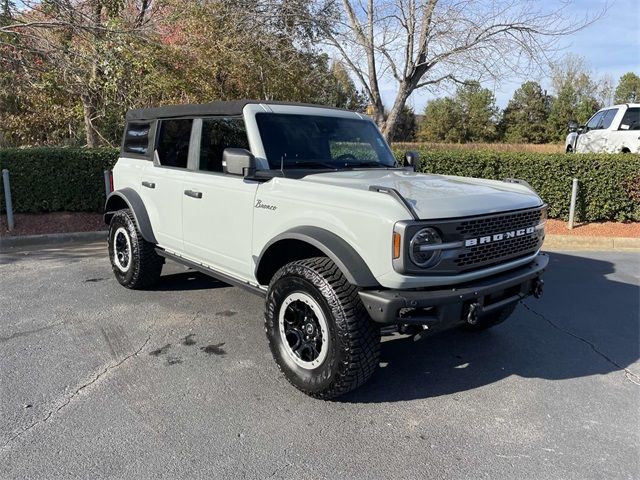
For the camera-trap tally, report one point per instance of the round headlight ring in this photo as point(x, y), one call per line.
point(426, 236)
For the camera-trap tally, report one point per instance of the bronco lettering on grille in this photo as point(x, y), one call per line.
point(470, 242)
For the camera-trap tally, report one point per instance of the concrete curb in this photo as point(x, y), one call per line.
point(552, 242)
point(572, 242)
point(52, 239)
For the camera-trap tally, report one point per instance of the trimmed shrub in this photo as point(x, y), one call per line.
point(53, 179)
point(71, 179)
point(608, 184)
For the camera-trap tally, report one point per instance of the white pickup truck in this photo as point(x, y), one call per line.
point(613, 129)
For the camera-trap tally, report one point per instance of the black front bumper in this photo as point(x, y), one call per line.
point(445, 307)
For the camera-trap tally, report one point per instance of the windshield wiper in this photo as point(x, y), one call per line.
point(368, 164)
point(310, 163)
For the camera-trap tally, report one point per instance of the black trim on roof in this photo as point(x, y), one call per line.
point(214, 108)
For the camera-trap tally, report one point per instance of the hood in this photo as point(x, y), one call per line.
point(438, 196)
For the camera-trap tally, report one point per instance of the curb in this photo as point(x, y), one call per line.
point(51, 239)
point(572, 242)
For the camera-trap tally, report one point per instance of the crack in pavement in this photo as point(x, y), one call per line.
point(29, 332)
point(68, 399)
point(629, 375)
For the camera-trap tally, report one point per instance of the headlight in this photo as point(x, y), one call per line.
point(424, 248)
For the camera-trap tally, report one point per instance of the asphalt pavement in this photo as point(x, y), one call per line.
point(97, 381)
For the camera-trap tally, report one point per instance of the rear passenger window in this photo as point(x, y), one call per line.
point(631, 119)
point(136, 138)
point(218, 134)
point(173, 142)
point(607, 118)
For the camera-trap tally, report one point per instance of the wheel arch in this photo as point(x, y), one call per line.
point(129, 198)
point(306, 242)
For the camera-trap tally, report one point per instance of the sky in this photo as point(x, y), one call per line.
point(610, 46)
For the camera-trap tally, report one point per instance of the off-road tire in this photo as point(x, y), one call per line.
point(491, 320)
point(353, 345)
point(144, 264)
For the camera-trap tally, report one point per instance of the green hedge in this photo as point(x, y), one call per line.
point(609, 187)
point(53, 179)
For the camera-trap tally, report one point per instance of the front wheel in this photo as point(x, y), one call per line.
point(319, 332)
point(134, 261)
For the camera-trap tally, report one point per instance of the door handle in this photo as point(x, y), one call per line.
point(191, 193)
point(149, 184)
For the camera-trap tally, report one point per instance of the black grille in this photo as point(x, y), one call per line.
point(490, 252)
point(487, 254)
point(499, 223)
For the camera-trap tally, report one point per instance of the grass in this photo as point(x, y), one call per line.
point(492, 147)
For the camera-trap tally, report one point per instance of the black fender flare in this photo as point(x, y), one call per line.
point(136, 205)
point(351, 264)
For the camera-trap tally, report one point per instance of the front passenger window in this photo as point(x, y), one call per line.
point(173, 142)
point(218, 134)
point(594, 121)
point(607, 118)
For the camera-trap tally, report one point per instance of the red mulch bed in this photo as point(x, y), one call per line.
point(56, 222)
point(599, 229)
point(62, 222)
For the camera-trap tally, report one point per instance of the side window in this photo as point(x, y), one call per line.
point(218, 134)
point(136, 138)
point(631, 119)
point(592, 124)
point(607, 118)
point(173, 142)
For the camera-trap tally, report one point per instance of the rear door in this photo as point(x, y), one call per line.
point(161, 186)
point(217, 208)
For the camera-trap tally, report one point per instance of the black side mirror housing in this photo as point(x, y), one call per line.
point(238, 161)
point(412, 159)
point(573, 126)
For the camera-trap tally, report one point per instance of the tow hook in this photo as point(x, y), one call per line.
point(538, 288)
point(472, 313)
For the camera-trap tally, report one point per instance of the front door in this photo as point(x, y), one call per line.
point(217, 208)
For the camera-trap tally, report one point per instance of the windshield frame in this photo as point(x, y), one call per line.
point(373, 140)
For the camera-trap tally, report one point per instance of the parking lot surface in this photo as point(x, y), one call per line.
point(97, 381)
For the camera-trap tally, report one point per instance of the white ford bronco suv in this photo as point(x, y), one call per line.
point(307, 207)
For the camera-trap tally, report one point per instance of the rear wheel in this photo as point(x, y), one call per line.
point(490, 320)
point(134, 261)
point(319, 332)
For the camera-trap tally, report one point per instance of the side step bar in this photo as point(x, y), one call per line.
point(223, 277)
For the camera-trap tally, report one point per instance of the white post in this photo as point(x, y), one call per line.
point(572, 207)
point(7, 198)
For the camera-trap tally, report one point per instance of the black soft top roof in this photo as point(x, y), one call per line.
point(214, 108)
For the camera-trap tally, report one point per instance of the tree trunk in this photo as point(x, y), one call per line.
point(389, 126)
point(89, 112)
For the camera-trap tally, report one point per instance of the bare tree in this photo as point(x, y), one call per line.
point(416, 44)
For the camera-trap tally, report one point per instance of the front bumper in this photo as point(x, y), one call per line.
point(449, 306)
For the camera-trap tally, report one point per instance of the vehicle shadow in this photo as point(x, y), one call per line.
point(186, 280)
point(586, 324)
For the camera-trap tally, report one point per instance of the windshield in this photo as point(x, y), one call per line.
point(317, 142)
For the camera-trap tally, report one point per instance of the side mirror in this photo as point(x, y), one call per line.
point(412, 159)
point(238, 161)
point(573, 126)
